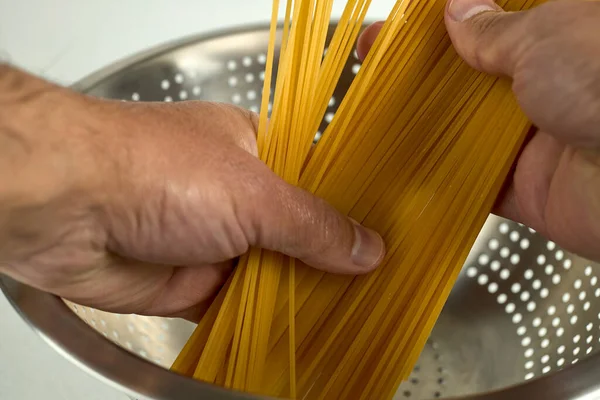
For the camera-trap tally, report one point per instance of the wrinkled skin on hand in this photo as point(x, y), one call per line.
point(142, 207)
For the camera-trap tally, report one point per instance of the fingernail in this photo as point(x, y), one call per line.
point(462, 10)
point(368, 249)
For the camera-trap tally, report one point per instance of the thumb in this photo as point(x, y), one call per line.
point(292, 221)
point(485, 36)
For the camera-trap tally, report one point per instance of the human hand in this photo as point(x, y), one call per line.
point(140, 207)
point(552, 53)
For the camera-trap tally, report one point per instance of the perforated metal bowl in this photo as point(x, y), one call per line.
point(523, 320)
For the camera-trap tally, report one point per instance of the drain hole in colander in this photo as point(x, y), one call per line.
point(428, 377)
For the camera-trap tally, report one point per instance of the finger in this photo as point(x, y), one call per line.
point(533, 179)
point(506, 204)
point(292, 221)
point(189, 290)
point(367, 38)
point(485, 36)
point(193, 314)
point(130, 286)
point(525, 198)
point(245, 138)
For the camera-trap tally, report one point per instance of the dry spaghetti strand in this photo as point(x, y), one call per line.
point(418, 150)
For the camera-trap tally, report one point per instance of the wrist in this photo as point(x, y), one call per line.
point(32, 141)
point(46, 165)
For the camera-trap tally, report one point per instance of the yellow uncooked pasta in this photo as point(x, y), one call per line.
point(418, 150)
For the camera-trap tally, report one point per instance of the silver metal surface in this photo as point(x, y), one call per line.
point(523, 320)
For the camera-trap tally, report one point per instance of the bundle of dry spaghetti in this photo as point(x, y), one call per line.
point(418, 150)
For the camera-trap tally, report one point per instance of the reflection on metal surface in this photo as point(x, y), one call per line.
point(521, 310)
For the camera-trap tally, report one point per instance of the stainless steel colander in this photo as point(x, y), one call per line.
point(522, 322)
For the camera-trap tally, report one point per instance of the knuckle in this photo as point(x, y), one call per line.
point(237, 242)
point(234, 231)
point(487, 52)
point(321, 227)
point(244, 127)
point(249, 190)
point(252, 118)
point(247, 117)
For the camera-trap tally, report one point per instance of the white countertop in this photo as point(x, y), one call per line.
point(64, 41)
